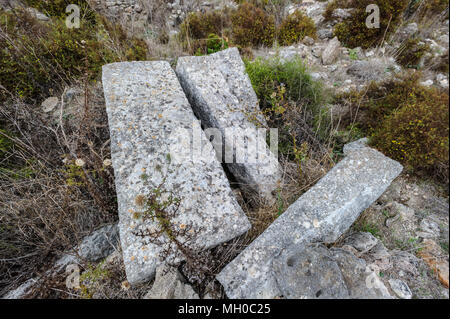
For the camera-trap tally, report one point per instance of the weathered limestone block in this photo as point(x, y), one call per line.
point(151, 125)
point(314, 272)
point(322, 214)
point(222, 96)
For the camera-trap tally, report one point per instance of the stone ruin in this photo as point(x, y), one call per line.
point(147, 105)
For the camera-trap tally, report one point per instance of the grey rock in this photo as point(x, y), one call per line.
point(37, 14)
point(100, 244)
point(331, 51)
point(325, 33)
point(21, 291)
point(400, 288)
point(313, 271)
point(379, 251)
point(429, 228)
point(342, 14)
point(362, 242)
point(308, 40)
point(362, 282)
point(169, 284)
point(49, 104)
point(316, 51)
point(405, 262)
point(427, 83)
point(322, 214)
point(222, 96)
point(309, 273)
point(356, 145)
point(152, 126)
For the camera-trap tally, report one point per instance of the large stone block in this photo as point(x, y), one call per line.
point(322, 214)
point(152, 126)
point(222, 96)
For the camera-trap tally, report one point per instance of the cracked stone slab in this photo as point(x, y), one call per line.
point(322, 214)
point(151, 125)
point(222, 96)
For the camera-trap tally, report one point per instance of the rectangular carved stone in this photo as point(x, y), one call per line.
point(223, 98)
point(322, 214)
point(153, 130)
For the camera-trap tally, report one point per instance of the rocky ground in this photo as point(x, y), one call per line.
point(402, 238)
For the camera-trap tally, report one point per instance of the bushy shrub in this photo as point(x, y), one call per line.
point(36, 57)
point(214, 44)
point(267, 75)
point(411, 52)
point(353, 32)
point(252, 26)
point(408, 121)
point(57, 8)
point(199, 25)
point(287, 91)
point(417, 136)
point(295, 27)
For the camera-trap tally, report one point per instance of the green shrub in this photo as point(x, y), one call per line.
point(295, 27)
point(353, 32)
point(57, 8)
point(407, 121)
point(417, 136)
point(274, 80)
point(214, 44)
point(411, 52)
point(199, 25)
point(252, 26)
point(37, 57)
point(268, 74)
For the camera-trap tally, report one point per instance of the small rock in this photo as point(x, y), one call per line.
point(370, 53)
point(308, 40)
point(325, 34)
point(429, 229)
point(168, 285)
point(37, 14)
point(442, 80)
point(427, 83)
point(99, 244)
point(331, 52)
point(405, 262)
point(342, 14)
point(363, 241)
point(400, 288)
point(49, 104)
point(309, 273)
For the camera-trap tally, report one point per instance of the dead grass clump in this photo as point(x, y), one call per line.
point(55, 185)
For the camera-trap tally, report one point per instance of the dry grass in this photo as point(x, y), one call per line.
point(47, 203)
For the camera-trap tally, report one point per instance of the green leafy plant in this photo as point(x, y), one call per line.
point(353, 32)
point(353, 54)
point(214, 44)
